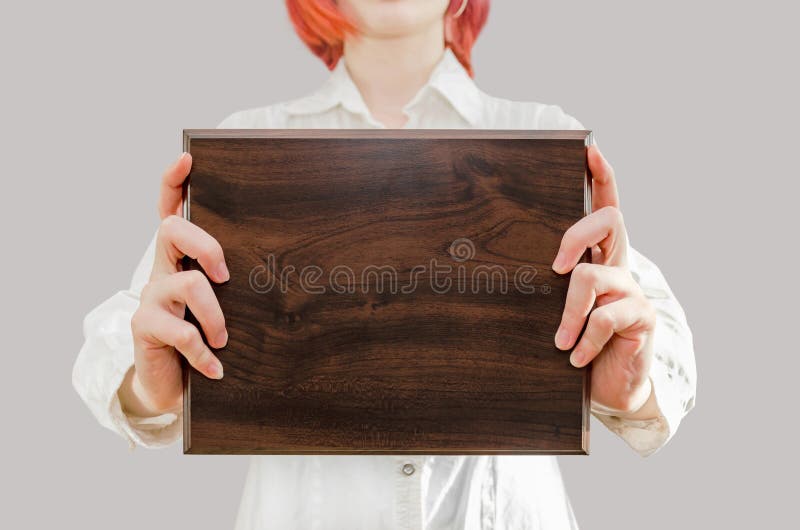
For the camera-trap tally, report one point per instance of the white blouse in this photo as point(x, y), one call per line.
point(396, 492)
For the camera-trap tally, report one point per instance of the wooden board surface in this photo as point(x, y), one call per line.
point(390, 292)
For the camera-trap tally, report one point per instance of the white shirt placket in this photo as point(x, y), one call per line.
point(408, 477)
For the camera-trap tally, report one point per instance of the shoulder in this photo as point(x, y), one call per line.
point(282, 115)
point(267, 117)
point(501, 113)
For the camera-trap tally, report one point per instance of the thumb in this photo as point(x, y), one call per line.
point(604, 183)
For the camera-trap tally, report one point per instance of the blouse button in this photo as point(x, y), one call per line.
point(408, 469)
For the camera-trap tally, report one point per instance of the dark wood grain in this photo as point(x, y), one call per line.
point(399, 362)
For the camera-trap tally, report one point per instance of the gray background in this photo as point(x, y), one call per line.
point(693, 102)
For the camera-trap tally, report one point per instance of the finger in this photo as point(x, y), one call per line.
point(604, 228)
point(185, 338)
point(177, 238)
point(628, 317)
point(171, 195)
point(193, 289)
point(588, 283)
point(604, 183)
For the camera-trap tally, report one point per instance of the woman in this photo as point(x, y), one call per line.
point(397, 63)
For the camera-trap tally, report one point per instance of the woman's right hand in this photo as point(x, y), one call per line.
point(160, 333)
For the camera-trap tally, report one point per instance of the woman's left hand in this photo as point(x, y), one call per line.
point(618, 339)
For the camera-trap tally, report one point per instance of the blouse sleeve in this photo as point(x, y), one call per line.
point(107, 352)
point(105, 358)
point(672, 373)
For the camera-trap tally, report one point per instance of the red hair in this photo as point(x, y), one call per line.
point(323, 28)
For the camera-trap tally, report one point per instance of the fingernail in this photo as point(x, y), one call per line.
point(562, 337)
point(576, 359)
point(222, 338)
point(215, 369)
point(222, 272)
point(558, 263)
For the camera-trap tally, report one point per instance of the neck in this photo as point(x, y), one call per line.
point(389, 71)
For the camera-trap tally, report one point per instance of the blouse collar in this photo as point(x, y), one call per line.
point(449, 78)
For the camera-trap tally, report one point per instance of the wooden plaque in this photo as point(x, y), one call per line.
point(391, 291)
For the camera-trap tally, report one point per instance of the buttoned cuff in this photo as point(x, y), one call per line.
point(648, 436)
point(150, 432)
